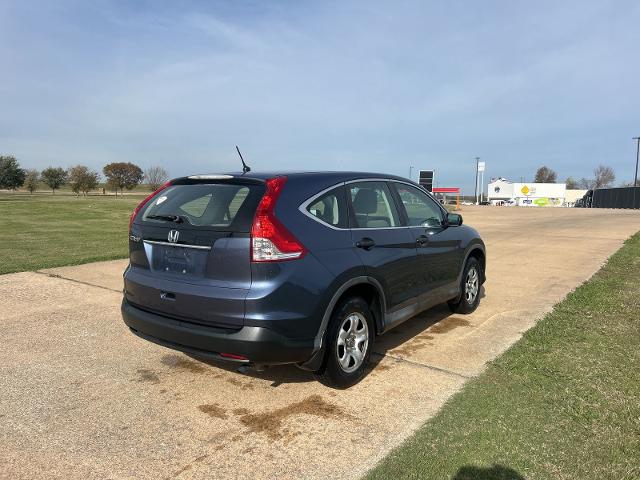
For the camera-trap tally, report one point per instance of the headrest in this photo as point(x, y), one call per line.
point(366, 201)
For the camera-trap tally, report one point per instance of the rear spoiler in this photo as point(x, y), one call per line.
point(215, 178)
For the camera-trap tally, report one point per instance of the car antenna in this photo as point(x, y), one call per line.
point(245, 168)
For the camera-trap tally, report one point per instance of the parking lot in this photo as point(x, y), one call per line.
point(81, 396)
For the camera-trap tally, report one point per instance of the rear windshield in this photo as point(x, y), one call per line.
point(214, 206)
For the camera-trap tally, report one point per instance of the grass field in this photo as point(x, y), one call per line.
point(53, 230)
point(563, 403)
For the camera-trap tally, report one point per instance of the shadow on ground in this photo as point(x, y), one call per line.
point(405, 339)
point(496, 472)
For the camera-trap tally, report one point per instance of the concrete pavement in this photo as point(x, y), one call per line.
point(84, 398)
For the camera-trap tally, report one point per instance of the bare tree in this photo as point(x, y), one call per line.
point(155, 176)
point(586, 183)
point(545, 175)
point(604, 177)
point(31, 180)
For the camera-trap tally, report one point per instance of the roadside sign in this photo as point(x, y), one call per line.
point(426, 179)
point(481, 166)
point(525, 190)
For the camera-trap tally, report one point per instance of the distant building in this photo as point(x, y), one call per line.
point(501, 192)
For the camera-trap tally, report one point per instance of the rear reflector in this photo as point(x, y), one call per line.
point(233, 356)
point(145, 201)
point(270, 240)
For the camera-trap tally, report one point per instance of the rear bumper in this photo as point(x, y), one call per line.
point(259, 345)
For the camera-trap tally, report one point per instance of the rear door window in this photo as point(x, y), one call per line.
point(214, 206)
point(373, 205)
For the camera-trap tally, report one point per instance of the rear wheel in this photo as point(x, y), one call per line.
point(469, 288)
point(349, 342)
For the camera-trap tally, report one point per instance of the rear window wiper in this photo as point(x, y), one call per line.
point(167, 218)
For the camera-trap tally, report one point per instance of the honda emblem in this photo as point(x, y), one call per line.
point(173, 236)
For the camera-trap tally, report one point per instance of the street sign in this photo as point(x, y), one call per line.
point(481, 166)
point(525, 190)
point(426, 179)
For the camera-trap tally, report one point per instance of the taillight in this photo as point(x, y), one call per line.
point(270, 240)
point(145, 201)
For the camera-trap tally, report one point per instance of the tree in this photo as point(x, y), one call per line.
point(31, 180)
point(604, 176)
point(545, 175)
point(82, 179)
point(586, 183)
point(11, 175)
point(155, 176)
point(572, 184)
point(54, 177)
point(122, 175)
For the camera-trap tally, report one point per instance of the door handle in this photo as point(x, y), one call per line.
point(422, 240)
point(366, 243)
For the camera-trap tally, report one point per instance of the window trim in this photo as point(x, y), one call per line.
point(303, 206)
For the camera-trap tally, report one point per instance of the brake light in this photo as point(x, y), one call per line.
point(145, 201)
point(270, 240)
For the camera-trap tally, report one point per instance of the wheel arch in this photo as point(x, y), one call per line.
point(363, 286)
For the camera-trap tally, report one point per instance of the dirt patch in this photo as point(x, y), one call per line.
point(448, 324)
point(238, 383)
point(145, 375)
point(213, 410)
point(188, 466)
point(177, 361)
point(270, 423)
point(412, 345)
point(240, 411)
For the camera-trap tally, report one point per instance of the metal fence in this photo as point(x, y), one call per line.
point(623, 197)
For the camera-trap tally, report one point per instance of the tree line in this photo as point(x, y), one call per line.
point(81, 179)
point(603, 177)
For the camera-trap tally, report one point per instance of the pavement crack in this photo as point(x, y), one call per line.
point(424, 365)
point(55, 275)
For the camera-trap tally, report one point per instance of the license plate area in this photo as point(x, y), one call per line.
point(179, 261)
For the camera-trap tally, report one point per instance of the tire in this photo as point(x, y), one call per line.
point(469, 294)
point(349, 342)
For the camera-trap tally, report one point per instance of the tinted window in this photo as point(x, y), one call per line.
point(330, 208)
point(373, 205)
point(422, 210)
point(207, 205)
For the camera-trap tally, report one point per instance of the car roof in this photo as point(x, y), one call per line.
point(337, 176)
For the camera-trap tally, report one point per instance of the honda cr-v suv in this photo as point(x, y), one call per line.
point(304, 268)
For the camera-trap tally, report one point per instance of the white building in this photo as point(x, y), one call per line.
point(502, 192)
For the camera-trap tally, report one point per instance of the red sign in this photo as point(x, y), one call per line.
point(447, 190)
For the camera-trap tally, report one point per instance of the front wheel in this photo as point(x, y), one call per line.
point(349, 342)
point(469, 289)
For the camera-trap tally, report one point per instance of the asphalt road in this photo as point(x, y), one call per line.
point(81, 397)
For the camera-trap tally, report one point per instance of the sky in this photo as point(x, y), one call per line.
point(326, 85)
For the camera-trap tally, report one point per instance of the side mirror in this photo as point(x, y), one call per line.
point(454, 220)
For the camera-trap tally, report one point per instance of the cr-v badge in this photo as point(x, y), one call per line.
point(173, 236)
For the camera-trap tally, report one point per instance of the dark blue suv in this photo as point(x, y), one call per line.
point(305, 268)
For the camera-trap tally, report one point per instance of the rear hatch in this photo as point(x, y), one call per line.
point(190, 250)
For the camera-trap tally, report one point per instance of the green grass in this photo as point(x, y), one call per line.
point(41, 231)
point(562, 403)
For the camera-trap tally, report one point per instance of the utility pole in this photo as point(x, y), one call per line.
point(475, 193)
point(410, 171)
point(635, 177)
